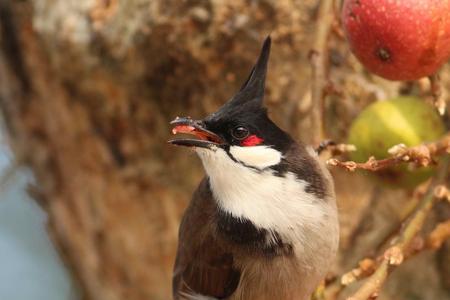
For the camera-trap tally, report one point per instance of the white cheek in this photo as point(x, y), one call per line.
point(259, 157)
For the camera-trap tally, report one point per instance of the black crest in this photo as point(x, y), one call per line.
point(253, 88)
point(251, 94)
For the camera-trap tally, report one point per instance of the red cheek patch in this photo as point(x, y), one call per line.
point(252, 140)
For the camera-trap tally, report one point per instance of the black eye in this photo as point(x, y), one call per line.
point(239, 132)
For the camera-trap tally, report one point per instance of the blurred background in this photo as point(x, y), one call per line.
point(31, 267)
point(92, 195)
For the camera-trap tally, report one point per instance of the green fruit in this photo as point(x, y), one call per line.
point(403, 120)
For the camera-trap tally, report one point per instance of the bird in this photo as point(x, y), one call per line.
point(263, 222)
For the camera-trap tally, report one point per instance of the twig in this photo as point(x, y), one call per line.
point(318, 56)
point(439, 235)
point(368, 266)
point(365, 268)
point(319, 292)
point(335, 149)
point(421, 156)
point(394, 255)
point(436, 92)
point(442, 193)
point(324, 145)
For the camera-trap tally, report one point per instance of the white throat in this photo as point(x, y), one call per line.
point(257, 194)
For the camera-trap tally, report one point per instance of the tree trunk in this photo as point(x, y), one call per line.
point(88, 88)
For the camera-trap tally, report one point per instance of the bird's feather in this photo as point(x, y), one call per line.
point(203, 267)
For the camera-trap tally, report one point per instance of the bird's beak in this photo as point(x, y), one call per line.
point(205, 138)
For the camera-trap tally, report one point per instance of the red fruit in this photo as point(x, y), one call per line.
point(399, 39)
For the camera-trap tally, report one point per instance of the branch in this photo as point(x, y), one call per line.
point(365, 268)
point(395, 254)
point(317, 57)
point(421, 156)
point(442, 193)
point(436, 92)
point(335, 149)
point(439, 235)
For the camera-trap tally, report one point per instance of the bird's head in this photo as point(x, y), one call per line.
point(241, 127)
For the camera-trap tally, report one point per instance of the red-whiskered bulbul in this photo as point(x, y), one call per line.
point(263, 222)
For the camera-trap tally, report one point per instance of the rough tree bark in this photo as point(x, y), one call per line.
point(87, 89)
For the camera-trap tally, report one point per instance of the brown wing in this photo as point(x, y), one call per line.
point(202, 266)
